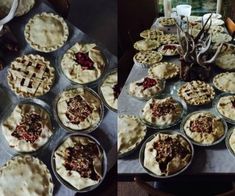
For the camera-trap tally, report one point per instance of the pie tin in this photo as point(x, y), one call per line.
point(8, 112)
point(137, 145)
point(170, 132)
point(215, 102)
point(197, 143)
point(230, 131)
point(168, 55)
point(183, 113)
point(87, 130)
point(146, 65)
point(100, 91)
point(64, 182)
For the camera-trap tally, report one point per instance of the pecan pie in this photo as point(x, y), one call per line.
point(27, 128)
point(204, 128)
point(30, 76)
point(46, 32)
point(79, 161)
point(83, 63)
point(196, 92)
point(131, 133)
point(225, 82)
point(151, 33)
point(146, 87)
point(25, 175)
point(79, 109)
point(166, 154)
point(146, 44)
point(166, 21)
point(162, 112)
point(226, 106)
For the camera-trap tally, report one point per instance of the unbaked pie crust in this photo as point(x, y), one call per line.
point(225, 82)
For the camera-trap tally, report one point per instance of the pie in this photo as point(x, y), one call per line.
point(164, 70)
point(146, 87)
point(225, 82)
point(147, 58)
point(27, 128)
point(204, 128)
point(25, 175)
point(195, 25)
point(110, 90)
point(226, 106)
point(146, 44)
point(162, 112)
point(131, 133)
point(164, 21)
point(168, 39)
point(232, 140)
point(219, 38)
point(216, 29)
point(46, 32)
point(193, 18)
point(79, 160)
point(226, 59)
point(196, 92)
point(168, 49)
point(166, 154)
point(79, 109)
point(30, 76)
point(151, 33)
point(83, 63)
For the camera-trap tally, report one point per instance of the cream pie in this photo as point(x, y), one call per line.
point(46, 32)
point(164, 21)
point(131, 133)
point(83, 63)
point(79, 161)
point(146, 44)
point(204, 128)
point(167, 154)
point(27, 128)
point(79, 109)
point(162, 112)
point(151, 33)
point(225, 82)
point(146, 87)
point(221, 38)
point(25, 175)
point(30, 76)
point(226, 106)
point(196, 92)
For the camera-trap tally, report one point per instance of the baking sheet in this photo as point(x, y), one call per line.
point(105, 134)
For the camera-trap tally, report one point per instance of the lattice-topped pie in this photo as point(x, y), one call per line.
point(164, 21)
point(162, 112)
point(83, 63)
point(79, 160)
point(27, 128)
point(204, 127)
point(25, 175)
point(164, 70)
point(146, 44)
point(226, 106)
point(131, 132)
point(146, 87)
point(30, 76)
point(46, 32)
point(225, 82)
point(196, 92)
point(221, 38)
point(167, 154)
point(79, 109)
point(151, 33)
point(147, 58)
point(168, 39)
point(168, 49)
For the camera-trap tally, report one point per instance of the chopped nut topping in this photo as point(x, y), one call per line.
point(202, 124)
point(161, 109)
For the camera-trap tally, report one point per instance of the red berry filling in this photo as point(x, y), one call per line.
point(201, 124)
point(147, 83)
point(84, 60)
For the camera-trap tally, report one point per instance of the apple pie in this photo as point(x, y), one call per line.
point(226, 106)
point(151, 33)
point(225, 82)
point(168, 39)
point(146, 44)
point(164, 21)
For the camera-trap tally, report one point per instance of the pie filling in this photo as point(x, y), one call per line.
point(147, 83)
point(202, 124)
point(162, 109)
point(84, 60)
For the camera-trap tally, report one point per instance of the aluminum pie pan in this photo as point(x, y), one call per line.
point(64, 182)
point(230, 132)
point(197, 143)
point(171, 132)
point(8, 111)
point(89, 129)
point(100, 92)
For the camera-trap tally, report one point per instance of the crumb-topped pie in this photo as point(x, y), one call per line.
point(226, 106)
point(164, 21)
point(168, 39)
point(151, 33)
point(204, 127)
point(79, 160)
point(25, 175)
point(167, 154)
point(146, 87)
point(131, 132)
point(162, 112)
point(146, 44)
point(79, 109)
point(27, 128)
point(83, 63)
point(196, 92)
point(168, 49)
point(147, 58)
point(30, 76)
point(225, 82)
point(110, 89)
point(46, 32)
